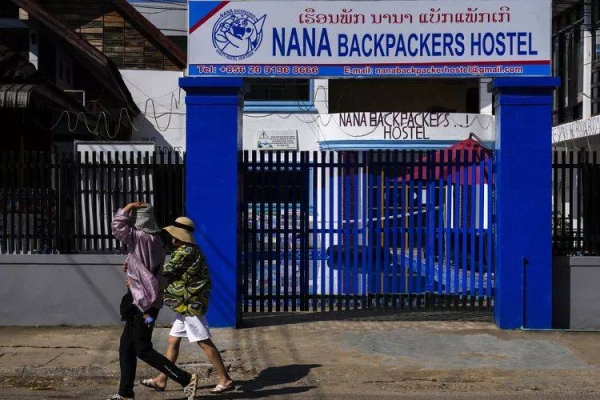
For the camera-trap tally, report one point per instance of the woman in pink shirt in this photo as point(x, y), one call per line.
point(136, 227)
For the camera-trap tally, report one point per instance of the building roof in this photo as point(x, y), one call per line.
point(166, 45)
point(98, 63)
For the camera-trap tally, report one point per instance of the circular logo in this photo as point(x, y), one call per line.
point(237, 34)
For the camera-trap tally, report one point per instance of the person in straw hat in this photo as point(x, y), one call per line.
point(135, 226)
point(187, 294)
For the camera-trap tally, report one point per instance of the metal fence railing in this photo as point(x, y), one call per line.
point(63, 203)
point(356, 230)
point(576, 214)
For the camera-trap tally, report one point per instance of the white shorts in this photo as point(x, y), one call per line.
point(194, 328)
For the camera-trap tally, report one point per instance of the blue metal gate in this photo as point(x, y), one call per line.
point(326, 231)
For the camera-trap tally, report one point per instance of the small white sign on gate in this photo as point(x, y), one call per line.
point(269, 139)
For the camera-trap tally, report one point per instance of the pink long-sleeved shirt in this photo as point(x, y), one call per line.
point(145, 258)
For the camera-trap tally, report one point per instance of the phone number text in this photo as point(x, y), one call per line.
point(271, 70)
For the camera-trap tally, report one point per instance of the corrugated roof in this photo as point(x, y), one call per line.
point(103, 68)
point(16, 95)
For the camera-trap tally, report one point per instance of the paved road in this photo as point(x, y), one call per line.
point(357, 359)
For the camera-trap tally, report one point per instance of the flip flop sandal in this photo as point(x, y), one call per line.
point(222, 389)
point(149, 383)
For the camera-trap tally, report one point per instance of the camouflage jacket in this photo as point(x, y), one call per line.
point(188, 279)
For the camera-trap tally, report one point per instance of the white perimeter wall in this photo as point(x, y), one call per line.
point(162, 103)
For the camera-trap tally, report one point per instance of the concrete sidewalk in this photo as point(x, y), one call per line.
point(323, 360)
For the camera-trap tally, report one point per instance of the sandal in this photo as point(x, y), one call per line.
point(149, 383)
point(191, 388)
point(222, 389)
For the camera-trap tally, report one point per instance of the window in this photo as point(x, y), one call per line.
point(568, 64)
point(555, 72)
point(595, 89)
point(279, 95)
point(596, 30)
point(403, 95)
point(64, 71)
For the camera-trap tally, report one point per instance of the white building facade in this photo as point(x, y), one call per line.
point(312, 114)
point(576, 59)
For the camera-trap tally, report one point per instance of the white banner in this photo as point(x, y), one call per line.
point(576, 130)
point(389, 129)
point(440, 38)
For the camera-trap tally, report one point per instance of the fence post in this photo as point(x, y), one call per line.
point(523, 242)
point(214, 120)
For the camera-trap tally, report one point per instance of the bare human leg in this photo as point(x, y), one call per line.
point(213, 355)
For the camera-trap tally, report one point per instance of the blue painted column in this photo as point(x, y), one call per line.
point(523, 187)
point(214, 124)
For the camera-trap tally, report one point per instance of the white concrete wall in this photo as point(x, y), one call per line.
point(318, 127)
point(170, 18)
point(486, 105)
point(162, 103)
point(70, 289)
point(308, 125)
point(163, 118)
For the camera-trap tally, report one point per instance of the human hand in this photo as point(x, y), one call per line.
point(148, 319)
point(125, 266)
point(127, 283)
point(135, 206)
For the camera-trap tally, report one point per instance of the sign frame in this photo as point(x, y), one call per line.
point(350, 39)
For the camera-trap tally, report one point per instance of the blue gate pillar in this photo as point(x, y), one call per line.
point(523, 212)
point(214, 120)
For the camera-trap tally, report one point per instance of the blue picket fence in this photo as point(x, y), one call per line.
point(360, 230)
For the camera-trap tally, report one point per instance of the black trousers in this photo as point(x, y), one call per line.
point(136, 341)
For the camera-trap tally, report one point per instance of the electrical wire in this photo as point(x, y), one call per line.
point(322, 120)
point(105, 116)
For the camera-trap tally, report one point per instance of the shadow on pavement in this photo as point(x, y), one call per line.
point(258, 387)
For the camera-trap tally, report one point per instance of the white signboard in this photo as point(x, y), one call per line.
point(576, 130)
point(426, 38)
point(269, 139)
point(388, 128)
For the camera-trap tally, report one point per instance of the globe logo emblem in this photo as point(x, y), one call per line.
point(237, 34)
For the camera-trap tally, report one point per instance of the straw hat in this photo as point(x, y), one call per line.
point(145, 220)
point(182, 229)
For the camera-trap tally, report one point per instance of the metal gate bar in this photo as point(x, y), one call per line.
point(326, 231)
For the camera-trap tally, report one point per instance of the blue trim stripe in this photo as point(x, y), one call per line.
point(447, 69)
point(358, 145)
point(200, 10)
point(275, 107)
